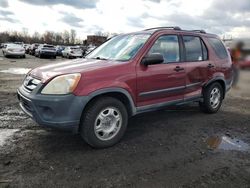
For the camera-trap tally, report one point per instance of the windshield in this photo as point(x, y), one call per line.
point(120, 48)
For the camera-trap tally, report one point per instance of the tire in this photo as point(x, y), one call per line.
point(104, 122)
point(211, 104)
point(54, 57)
point(24, 56)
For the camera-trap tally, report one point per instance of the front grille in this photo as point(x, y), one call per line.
point(25, 104)
point(30, 83)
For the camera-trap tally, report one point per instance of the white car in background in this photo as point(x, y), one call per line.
point(13, 50)
point(72, 52)
point(90, 49)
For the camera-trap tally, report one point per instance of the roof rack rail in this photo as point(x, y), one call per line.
point(174, 28)
point(200, 31)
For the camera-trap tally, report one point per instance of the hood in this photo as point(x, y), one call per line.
point(73, 66)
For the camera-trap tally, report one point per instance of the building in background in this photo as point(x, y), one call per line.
point(95, 40)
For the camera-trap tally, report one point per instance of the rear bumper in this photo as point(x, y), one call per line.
point(48, 53)
point(229, 83)
point(15, 53)
point(61, 111)
point(75, 55)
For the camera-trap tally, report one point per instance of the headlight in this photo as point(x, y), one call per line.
point(62, 84)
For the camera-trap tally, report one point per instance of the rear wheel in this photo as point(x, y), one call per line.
point(213, 97)
point(104, 122)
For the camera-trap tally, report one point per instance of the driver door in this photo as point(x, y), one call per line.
point(165, 82)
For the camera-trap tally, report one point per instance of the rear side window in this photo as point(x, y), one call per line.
point(218, 47)
point(195, 49)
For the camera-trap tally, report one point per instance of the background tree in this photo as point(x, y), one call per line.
point(72, 36)
point(48, 37)
point(66, 37)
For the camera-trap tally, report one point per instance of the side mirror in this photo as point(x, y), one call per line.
point(152, 59)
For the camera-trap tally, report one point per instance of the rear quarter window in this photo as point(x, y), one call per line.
point(218, 47)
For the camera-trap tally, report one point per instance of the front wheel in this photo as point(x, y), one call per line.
point(213, 97)
point(104, 122)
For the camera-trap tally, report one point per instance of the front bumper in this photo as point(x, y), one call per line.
point(56, 111)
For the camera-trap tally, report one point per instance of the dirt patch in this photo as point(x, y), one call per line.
point(166, 148)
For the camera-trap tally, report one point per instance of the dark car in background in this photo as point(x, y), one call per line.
point(27, 48)
point(59, 50)
point(33, 48)
point(45, 50)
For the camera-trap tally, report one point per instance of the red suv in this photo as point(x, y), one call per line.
point(127, 75)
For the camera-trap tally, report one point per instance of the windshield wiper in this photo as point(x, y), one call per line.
point(100, 58)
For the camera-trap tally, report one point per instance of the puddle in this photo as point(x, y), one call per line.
point(16, 70)
point(227, 143)
point(6, 134)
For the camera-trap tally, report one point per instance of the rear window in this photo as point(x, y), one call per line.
point(48, 46)
point(14, 46)
point(218, 47)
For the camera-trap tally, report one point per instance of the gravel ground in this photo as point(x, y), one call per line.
point(176, 147)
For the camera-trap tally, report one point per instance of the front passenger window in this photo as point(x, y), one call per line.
point(168, 47)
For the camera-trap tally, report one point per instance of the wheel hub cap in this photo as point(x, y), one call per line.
point(215, 97)
point(108, 123)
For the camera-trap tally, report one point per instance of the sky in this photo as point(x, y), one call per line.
point(222, 17)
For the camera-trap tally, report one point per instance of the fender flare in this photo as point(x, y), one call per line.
point(218, 78)
point(116, 90)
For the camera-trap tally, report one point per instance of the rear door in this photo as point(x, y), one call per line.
point(164, 82)
point(197, 65)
